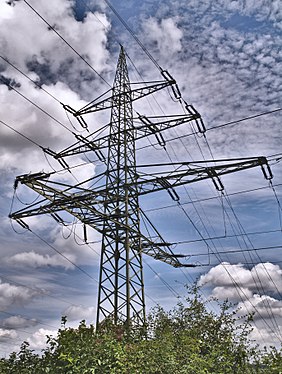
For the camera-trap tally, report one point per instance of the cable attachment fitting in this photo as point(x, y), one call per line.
point(266, 171)
point(28, 178)
point(76, 114)
point(175, 89)
point(56, 156)
point(197, 117)
point(215, 179)
point(16, 183)
point(85, 233)
point(58, 219)
point(22, 223)
point(166, 185)
point(90, 144)
point(154, 129)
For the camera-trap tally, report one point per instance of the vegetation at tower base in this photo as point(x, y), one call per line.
point(188, 339)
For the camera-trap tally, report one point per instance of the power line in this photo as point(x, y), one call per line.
point(60, 253)
point(218, 126)
point(31, 80)
point(216, 253)
point(244, 119)
point(65, 257)
point(107, 2)
point(37, 322)
point(43, 148)
point(237, 250)
point(21, 134)
point(34, 104)
point(37, 290)
point(212, 198)
point(227, 236)
point(67, 43)
point(141, 45)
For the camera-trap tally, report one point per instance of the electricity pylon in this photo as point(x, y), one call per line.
point(111, 204)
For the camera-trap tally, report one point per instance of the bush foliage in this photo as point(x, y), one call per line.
point(189, 339)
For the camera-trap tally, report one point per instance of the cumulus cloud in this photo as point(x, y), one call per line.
point(38, 339)
point(15, 295)
point(7, 335)
point(79, 312)
point(33, 259)
point(263, 306)
point(252, 291)
point(231, 293)
point(42, 46)
point(165, 33)
point(228, 278)
point(15, 322)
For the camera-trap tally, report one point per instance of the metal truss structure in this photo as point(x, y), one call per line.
point(109, 201)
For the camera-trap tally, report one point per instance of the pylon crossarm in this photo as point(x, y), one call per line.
point(152, 125)
point(190, 173)
point(148, 126)
point(155, 250)
point(108, 102)
point(82, 207)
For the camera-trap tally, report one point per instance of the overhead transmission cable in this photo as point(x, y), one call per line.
point(203, 157)
point(105, 1)
point(67, 43)
point(156, 101)
point(38, 145)
point(37, 322)
point(245, 236)
point(36, 105)
point(270, 312)
point(219, 126)
point(190, 241)
point(59, 253)
point(238, 250)
point(211, 198)
point(31, 80)
point(141, 45)
point(21, 134)
point(37, 290)
point(260, 287)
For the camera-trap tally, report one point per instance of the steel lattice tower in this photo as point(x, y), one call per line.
point(112, 207)
point(121, 287)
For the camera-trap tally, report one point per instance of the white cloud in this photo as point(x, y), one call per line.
point(267, 276)
point(264, 336)
point(6, 10)
point(231, 293)
point(15, 295)
point(44, 46)
point(33, 259)
point(7, 335)
point(251, 290)
point(38, 339)
point(263, 306)
point(79, 312)
point(165, 33)
point(15, 322)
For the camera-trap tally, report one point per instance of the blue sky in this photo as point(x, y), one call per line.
point(226, 58)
